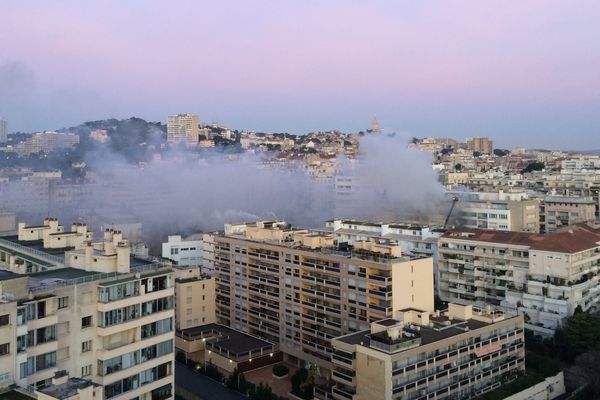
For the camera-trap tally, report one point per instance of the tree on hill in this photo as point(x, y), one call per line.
point(533, 166)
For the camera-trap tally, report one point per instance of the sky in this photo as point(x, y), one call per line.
point(525, 73)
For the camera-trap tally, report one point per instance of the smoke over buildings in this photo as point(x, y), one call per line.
point(180, 191)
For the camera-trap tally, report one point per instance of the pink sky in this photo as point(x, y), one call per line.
point(523, 72)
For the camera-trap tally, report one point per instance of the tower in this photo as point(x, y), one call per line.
point(375, 125)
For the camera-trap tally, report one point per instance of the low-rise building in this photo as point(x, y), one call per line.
point(183, 252)
point(502, 211)
point(417, 355)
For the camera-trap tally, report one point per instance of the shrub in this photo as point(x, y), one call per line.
point(280, 370)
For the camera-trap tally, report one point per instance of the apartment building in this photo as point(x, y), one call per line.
point(462, 352)
point(560, 211)
point(194, 297)
point(301, 289)
point(89, 309)
point(482, 145)
point(502, 211)
point(544, 277)
point(46, 142)
point(183, 128)
point(182, 252)
point(416, 239)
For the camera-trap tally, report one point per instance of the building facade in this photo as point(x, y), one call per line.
point(183, 252)
point(92, 311)
point(460, 353)
point(194, 298)
point(183, 128)
point(544, 277)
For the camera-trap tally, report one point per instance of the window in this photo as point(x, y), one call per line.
point(86, 321)
point(63, 302)
point(188, 311)
point(203, 297)
point(86, 346)
point(189, 289)
point(86, 370)
point(4, 349)
point(4, 319)
point(188, 300)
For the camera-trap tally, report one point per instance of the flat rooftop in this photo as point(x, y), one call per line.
point(428, 335)
point(15, 395)
point(227, 339)
point(7, 275)
point(37, 245)
point(67, 389)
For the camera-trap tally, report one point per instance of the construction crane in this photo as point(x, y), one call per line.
point(454, 201)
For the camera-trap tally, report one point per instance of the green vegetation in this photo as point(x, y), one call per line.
point(533, 166)
point(302, 384)
point(280, 370)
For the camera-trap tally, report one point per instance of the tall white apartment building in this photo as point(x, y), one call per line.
point(183, 128)
point(86, 307)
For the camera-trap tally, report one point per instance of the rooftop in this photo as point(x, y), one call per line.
point(67, 389)
point(427, 335)
point(227, 340)
point(573, 239)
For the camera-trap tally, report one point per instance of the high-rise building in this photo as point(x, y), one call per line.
point(3, 131)
point(482, 145)
point(456, 354)
point(86, 307)
point(183, 128)
point(301, 289)
point(544, 277)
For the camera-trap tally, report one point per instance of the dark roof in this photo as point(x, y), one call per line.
point(67, 389)
point(62, 273)
point(233, 340)
point(427, 335)
point(573, 239)
point(7, 275)
point(15, 395)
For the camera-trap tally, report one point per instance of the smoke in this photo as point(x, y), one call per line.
point(184, 192)
point(390, 182)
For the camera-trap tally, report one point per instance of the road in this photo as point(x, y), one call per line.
point(201, 386)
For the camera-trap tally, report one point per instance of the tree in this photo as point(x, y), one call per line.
point(302, 384)
point(585, 373)
point(458, 167)
point(534, 166)
point(579, 335)
point(501, 152)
